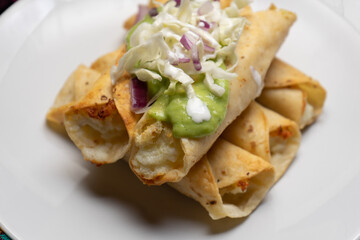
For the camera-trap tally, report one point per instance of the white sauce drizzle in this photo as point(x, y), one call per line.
point(258, 80)
point(195, 108)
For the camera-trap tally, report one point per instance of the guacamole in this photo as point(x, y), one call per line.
point(173, 103)
point(172, 108)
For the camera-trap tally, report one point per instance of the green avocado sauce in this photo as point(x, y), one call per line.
point(171, 105)
point(172, 108)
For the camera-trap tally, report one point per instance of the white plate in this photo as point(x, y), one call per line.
point(49, 192)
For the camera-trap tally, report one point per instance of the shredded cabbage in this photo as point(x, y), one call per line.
point(155, 51)
point(214, 88)
point(146, 75)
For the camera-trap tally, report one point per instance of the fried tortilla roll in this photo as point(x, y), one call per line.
point(158, 157)
point(96, 127)
point(266, 134)
point(87, 117)
point(75, 87)
point(228, 181)
point(304, 96)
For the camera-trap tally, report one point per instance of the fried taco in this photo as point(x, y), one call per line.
point(228, 181)
point(293, 94)
point(95, 125)
point(250, 156)
point(266, 134)
point(75, 87)
point(201, 75)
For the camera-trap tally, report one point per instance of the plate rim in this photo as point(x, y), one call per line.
point(19, 6)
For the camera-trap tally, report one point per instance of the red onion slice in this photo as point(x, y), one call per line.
point(178, 2)
point(150, 102)
point(180, 60)
point(205, 8)
point(175, 63)
point(143, 11)
point(209, 49)
point(204, 25)
point(195, 57)
point(184, 60)
point(186, 42)
point(138, 94)
point(153, 12)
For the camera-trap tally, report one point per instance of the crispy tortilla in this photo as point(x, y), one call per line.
point(304, 96)
point(266, 134)
point(157, 157)
point(228, 181)
point(96, 127)
point(76, 86)
point(250, 156)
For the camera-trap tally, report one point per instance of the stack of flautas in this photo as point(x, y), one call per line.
point(229, 170)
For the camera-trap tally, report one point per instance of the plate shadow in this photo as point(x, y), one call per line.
point(155, 204)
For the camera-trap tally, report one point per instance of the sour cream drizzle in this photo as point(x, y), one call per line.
point(195, 108)
point(258, 80)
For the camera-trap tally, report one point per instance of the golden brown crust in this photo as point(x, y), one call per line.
point(249, 131)
point(95, 126)
point(122, 97)
point(200, 185)
point(130, 22)
point(102, 111)
point(281, 80)
point(285, 139)
point(271, 136)
point(76, 86)
point(281, 74)
point(151, 139)
point(222, 170)
point(288, 102)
